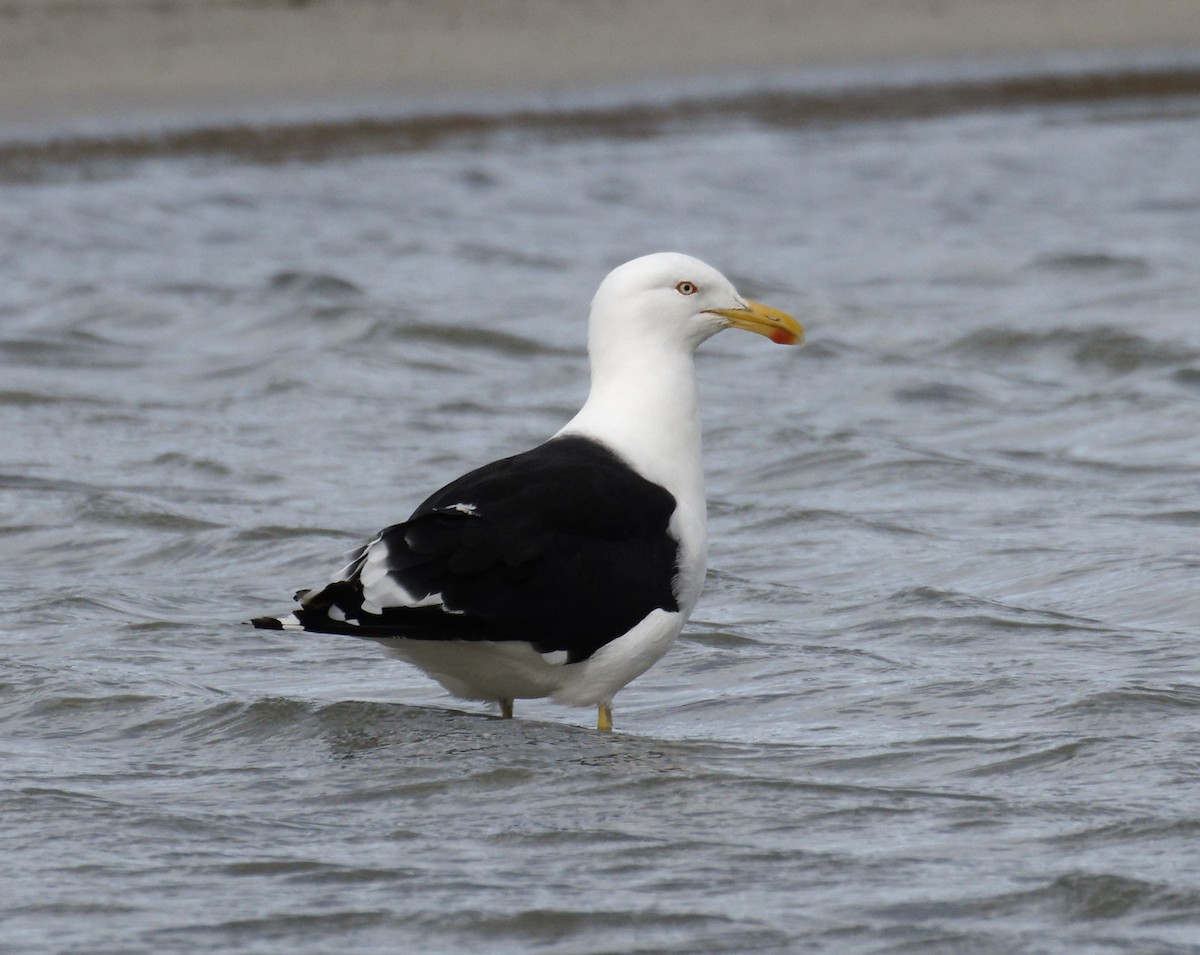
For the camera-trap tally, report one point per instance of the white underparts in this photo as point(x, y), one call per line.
point(512, 669)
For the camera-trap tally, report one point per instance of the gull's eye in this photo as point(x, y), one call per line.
point(686, 288)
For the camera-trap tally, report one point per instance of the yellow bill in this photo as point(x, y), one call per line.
point(761, 319)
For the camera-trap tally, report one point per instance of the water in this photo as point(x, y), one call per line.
point(941, 694)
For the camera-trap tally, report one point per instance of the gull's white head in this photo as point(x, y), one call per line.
point(669, 299)
point(647, 318)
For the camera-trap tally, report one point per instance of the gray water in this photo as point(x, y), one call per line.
point(942, 693)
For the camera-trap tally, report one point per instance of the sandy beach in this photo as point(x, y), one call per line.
point(92, 65)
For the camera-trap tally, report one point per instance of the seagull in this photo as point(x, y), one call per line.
point(568, 570)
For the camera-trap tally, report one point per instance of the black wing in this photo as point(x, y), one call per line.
point(563, 546)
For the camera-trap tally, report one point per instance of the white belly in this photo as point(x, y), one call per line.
point(482, 670)
point(689, 526)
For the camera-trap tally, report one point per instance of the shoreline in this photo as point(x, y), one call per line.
point(829, 99)
point(91, 69)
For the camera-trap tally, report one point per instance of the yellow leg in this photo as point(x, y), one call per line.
point(604, 718)
point(506, 709)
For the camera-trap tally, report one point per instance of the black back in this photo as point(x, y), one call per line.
point(564, 546)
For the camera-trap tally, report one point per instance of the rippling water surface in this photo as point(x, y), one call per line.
point(942, 692)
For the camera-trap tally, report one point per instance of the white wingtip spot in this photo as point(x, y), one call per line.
point(290, 622)
point(371, 608)
point(336, 613)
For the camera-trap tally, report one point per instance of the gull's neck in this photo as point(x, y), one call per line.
point(643, 405)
